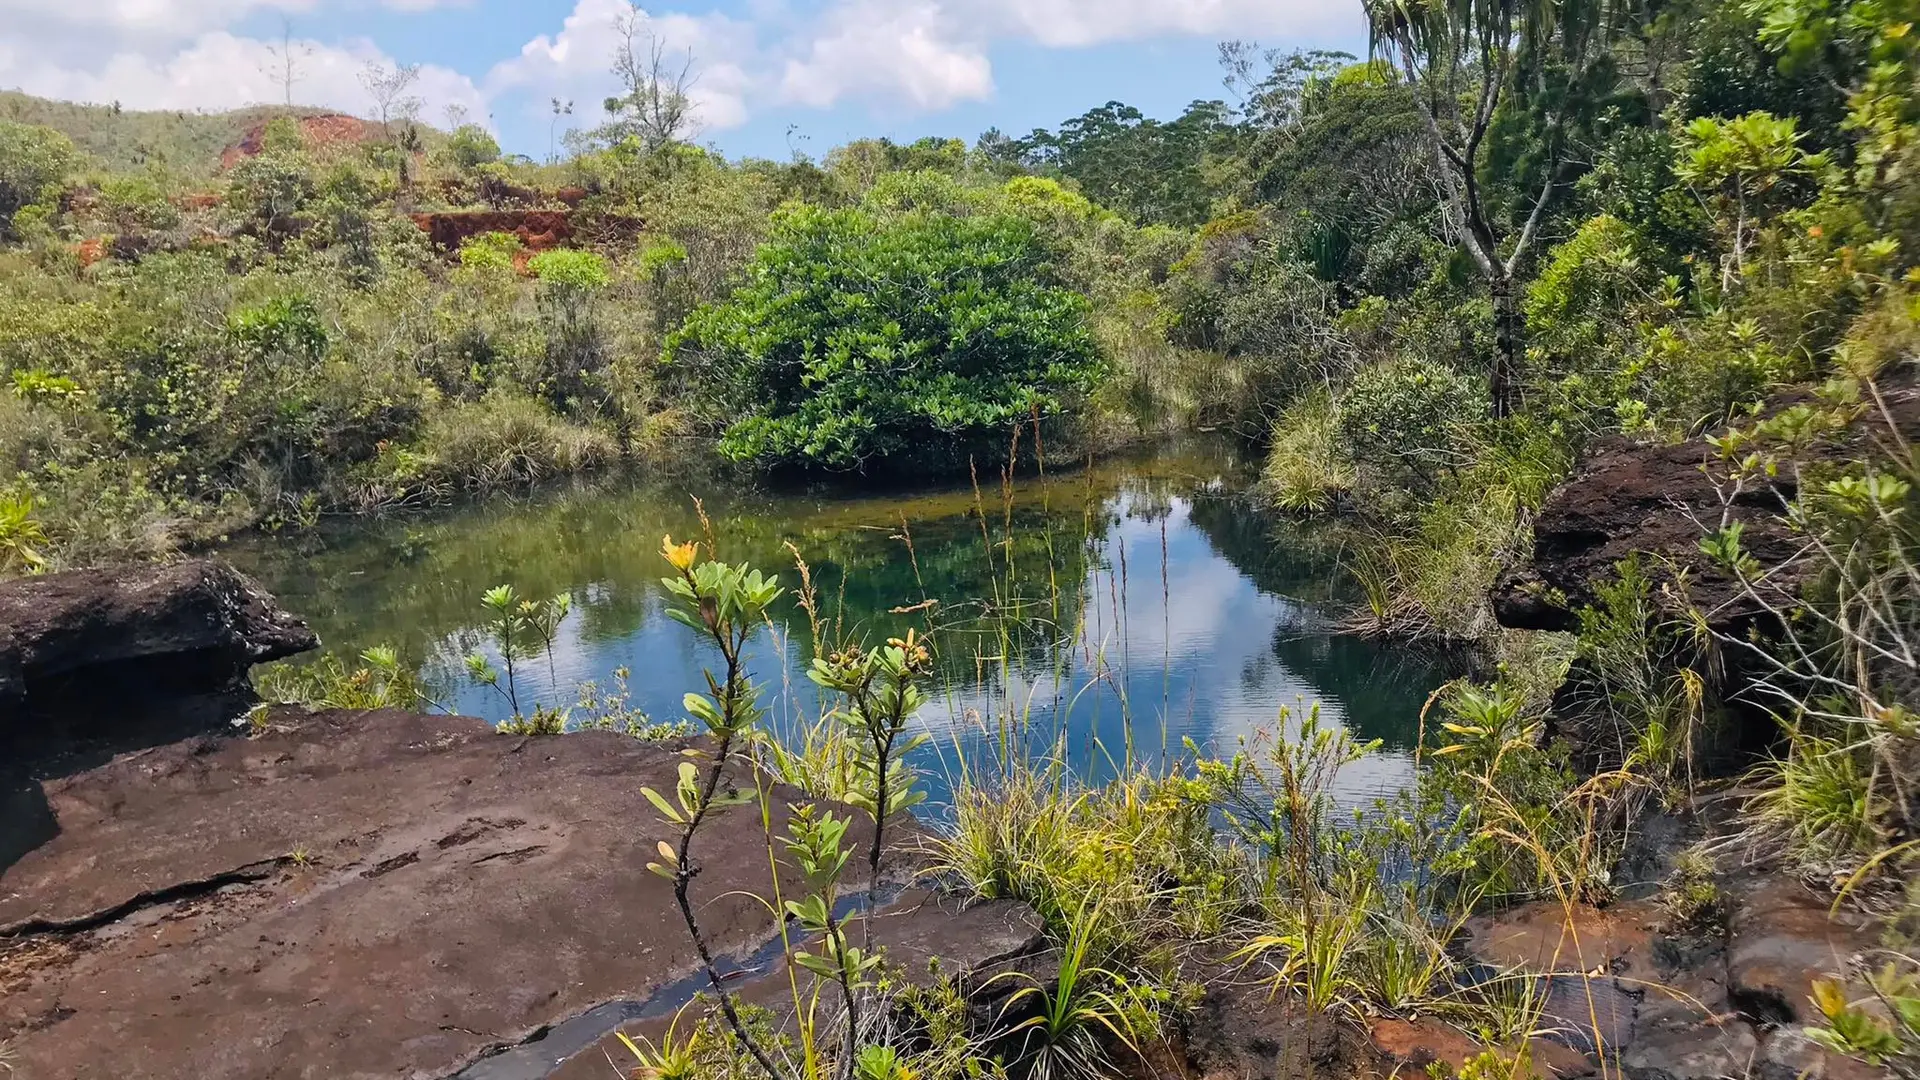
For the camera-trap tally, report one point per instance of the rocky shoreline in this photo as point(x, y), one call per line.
point(393, 894)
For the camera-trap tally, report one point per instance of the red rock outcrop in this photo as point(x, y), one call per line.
point(330, 129)
point(538, 230)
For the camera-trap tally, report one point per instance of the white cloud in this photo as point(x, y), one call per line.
point(575, 64)
point(893, 55)
point(220, 71)
point(1069, 23)
point(888, 50)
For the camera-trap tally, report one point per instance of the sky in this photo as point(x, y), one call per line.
point(772, 77)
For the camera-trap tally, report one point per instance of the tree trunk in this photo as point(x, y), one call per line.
point(1509, 324)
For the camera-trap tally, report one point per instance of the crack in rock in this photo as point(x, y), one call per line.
point(185, 890)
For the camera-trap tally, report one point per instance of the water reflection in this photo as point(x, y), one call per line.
point(1095, 617)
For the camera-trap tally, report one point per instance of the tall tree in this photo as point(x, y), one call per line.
point(655, 104)
point(1464, 58)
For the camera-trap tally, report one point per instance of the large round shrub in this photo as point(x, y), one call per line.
point(1405, 419)
point(913, 340)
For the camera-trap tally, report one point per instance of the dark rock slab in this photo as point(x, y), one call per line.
point(925, 936)
point(1686, 1046)
point(1654, 500)
point(1245, 1029)
point(93, 652)
point(352, 895)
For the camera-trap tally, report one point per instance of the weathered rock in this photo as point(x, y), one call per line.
point(1632, 498)
point(1417, 1044)
point(1595, 963)
point(925, 937)
point(1787, 1054)
point(1243, 1029)
point(1674, 1049)
point(1546, 937)
point(1686, 1029)
point(1411, 1046)
point(94, 650)
point(1781, 937)
point(370, 894)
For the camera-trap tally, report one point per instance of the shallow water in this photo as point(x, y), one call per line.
point(1091, 617)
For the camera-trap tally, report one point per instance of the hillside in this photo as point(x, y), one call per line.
point(118, 138)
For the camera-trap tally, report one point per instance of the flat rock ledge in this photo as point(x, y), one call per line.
point(382, 895)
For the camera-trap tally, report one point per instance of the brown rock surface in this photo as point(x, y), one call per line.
point(1629, 498)
point(351, 895)
point(916, 930)
point(324, 130)
point(538, 230)
point(91, 650)
point(1548, 937)
point(1781, 937)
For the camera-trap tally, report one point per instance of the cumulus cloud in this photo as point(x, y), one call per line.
point(575, 63)
point(889, 51)
point(220, 71)
point(895, 55)
point(1070, 23)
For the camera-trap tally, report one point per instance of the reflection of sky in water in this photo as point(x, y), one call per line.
point(1213, 658)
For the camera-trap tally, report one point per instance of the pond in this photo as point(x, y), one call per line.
point(1096, 618)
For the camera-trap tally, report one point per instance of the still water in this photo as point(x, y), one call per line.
point(1091, 617)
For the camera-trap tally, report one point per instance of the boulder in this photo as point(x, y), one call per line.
point(94, 651)
point(368, 894)
point(1656, 501)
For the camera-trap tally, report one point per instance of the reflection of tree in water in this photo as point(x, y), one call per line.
point(1016, 607)
point(1301, 560)
point(1381, 688)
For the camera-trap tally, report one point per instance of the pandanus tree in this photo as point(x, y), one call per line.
point(1464, 59)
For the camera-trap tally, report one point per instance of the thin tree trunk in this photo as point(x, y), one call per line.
point(1509, 326)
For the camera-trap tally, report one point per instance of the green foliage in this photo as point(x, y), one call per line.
point(1308, 468)
point(34, 163)
point(520, 631)
point(490, 251)
point(1691, 897)
point(380, 681)
point(470, 146)
point(914, 340)
point(570, 269)
point(22, 536)
point(1409, 419)
point(1146, 169)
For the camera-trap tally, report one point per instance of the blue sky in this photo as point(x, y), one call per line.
point(826, 70)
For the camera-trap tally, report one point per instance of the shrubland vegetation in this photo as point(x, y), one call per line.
point(1430, 281)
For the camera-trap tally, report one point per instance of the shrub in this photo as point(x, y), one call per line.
point(1307, 470)
point(1406, 419)
point(494, 250)
point(918, 339)
point(471, 146)
point(505, 440)
point(34, 162)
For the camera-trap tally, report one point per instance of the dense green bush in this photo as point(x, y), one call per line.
point(914, 340)
point(33, 163)
point(1409, 419)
